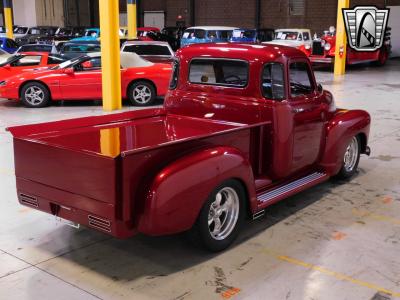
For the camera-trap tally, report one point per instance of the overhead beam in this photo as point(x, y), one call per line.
point(110, 54)
point(8, 18)
point(341, 40)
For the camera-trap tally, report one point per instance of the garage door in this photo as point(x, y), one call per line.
point(394, 23)
point(154, 19)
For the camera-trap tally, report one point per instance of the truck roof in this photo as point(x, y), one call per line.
point(239, 51)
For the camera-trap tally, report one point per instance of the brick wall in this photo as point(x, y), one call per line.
point(227, 13)
point(318, 15)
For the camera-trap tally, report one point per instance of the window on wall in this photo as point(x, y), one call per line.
point(296, 7)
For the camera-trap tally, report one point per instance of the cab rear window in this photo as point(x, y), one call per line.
point(221, 72)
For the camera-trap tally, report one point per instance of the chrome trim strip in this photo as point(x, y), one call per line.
point(271, 195)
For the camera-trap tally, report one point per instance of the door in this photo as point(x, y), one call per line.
point(154, 19)
point(308, 112)
point(84, 82)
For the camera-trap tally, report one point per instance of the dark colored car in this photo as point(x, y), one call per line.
point(8, 45)
point(37, 48)
point(62, 35)
point(36, 33)
point(75, 49)
point(175, 33)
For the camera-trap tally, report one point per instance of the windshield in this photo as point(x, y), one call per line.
point(148, 49)
point(10, 60)
point(64, 31)
point(286, 35)
point(35, 48)
point(20, 30)
point(34, 31)
point(78, 48)
point(92, 33)
point(249, 34)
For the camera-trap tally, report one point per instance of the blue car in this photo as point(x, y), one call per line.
point(8, 45)
point(244, 36)
point(206, 34)
point(91, 34)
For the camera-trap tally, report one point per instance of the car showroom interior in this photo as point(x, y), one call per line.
point(200, 149)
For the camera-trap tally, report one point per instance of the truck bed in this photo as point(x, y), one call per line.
point(131, 136)
point(103, 165)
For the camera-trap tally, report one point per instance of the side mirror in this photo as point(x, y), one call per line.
point(7, 67)
point(69, 71)
point(320, 88)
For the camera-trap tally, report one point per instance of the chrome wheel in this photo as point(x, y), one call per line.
point(223, 214)
point(142, 94)
point(34, 95)
point(351, 155)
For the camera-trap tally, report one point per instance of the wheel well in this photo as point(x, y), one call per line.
point(247, 200)
point(30, 81)
point(141, 79)
point(363, 141)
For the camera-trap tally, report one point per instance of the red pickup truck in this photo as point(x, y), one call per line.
point(242, 127)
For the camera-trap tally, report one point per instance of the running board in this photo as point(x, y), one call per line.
point(291, 188)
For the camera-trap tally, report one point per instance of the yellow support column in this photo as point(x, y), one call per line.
point(132, 19)
point(8, 18)
point(110, 54)
point(341, 40)
point(110, 144)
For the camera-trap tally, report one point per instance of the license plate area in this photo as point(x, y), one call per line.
point(67, 222)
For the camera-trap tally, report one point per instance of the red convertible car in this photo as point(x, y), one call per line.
point(28, 61)
point(80, 79)
point(243, 126)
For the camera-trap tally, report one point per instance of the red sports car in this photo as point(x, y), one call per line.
point(80, 79)
point(28, 61)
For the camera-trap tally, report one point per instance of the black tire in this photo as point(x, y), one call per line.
point(41, 99)
point(142, 100)
point(347, 171)
point(201, 235)
point(382, 59)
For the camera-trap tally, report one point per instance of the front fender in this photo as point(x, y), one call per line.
point(179, 191)
point(340, 129)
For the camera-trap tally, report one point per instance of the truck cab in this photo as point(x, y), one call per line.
point(243, 127)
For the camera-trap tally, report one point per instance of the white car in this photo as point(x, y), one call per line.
point(21, 31)
point(154, 51)
point(293, 37)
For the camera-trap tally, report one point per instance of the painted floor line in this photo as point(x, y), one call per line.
point(331, 273)
point(367, 214)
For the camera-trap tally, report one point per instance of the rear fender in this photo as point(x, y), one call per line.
point(340, 129)
point(180, 190)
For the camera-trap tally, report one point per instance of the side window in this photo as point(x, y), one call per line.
point(89, 65)
point(53, 60)
point(222, 72)
point(212, 34)
point(27, 61)
point(300, 37)
point(273, 81)
point(199, 34)
point(306, 36)
point(300, 79)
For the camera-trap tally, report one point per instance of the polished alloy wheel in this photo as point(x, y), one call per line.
point(351, 155)
point(34, 95)
point(223, 214)
point(142, 94)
